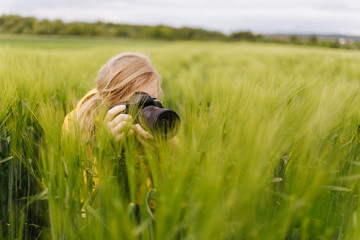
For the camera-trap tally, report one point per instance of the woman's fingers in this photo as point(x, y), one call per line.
point(119, 119)
point(119, 133)
point(118, 137)
point(118, 122)
point(144, 137)
point(114, 112)
point(119, 127)
point(131, 132)
point(138, 129)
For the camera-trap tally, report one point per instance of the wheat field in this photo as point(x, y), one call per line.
point(269, 144)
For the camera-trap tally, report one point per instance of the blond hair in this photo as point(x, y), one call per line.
point(117, 80)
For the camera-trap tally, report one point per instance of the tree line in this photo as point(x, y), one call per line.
point(15, 24)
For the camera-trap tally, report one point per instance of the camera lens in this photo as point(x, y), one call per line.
point(161, 121)
point(167, 123)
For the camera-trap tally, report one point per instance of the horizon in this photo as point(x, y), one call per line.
point(318, 17)
point(195, 27)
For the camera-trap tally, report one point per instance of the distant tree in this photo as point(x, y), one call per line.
point(12, 24)
point(58, 27)
point(313, 40)
point(260, 38)
point(28, 24)
point(247, 35)
point(331, 43)
point(185, 33)
point(295, 39)
point(80, 28)
point(44, 27)
point(159, 32)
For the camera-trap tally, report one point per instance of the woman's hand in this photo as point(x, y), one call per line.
point(120, 123)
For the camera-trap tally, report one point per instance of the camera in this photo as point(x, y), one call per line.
point(152, 116)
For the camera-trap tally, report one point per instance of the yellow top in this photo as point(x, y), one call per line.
point(68, 124)
point(70, 117)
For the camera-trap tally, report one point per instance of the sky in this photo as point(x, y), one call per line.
point(258, 16)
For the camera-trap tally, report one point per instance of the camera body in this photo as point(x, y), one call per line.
point(152, 116)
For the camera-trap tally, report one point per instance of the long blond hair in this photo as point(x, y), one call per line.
point(117, 80)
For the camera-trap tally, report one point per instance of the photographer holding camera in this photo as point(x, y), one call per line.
point(129, 88)
point(117, 81)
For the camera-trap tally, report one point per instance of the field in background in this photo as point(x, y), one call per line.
point(270, 143)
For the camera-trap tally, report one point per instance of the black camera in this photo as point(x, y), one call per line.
point(152, 116)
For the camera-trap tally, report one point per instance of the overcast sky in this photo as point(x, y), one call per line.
point(259, 16)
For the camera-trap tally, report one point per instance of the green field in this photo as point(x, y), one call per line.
point(270, 143)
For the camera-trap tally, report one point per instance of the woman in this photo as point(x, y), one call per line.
point(116, 82)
